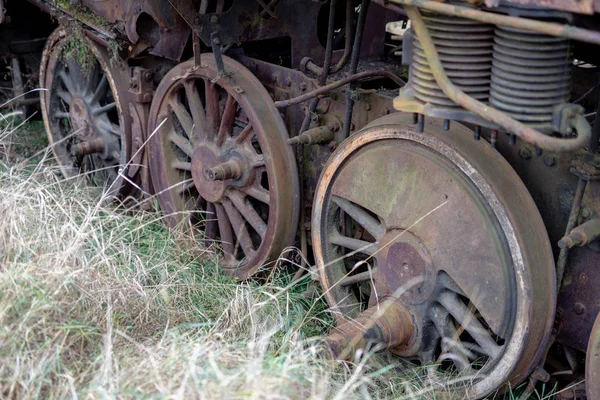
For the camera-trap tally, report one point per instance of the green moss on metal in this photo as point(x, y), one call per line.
point(82, 13)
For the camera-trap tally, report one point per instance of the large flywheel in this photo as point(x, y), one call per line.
point(430, 245)
point(220, 163)
point(85, 111)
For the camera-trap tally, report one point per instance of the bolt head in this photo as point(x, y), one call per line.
point(578, 308)
point(214, 19)
point(196, 20)
point(586, 213)
point(525, 153)
point(550, 160)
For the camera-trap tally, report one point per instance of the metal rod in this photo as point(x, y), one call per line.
point(337, 84)
point(360, 27)
point(486, 111)
point(595, 130)
point(547, 28)
point(563, 256)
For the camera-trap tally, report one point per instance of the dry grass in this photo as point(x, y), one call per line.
point(96, 303)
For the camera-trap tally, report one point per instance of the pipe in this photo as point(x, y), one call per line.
point(360, 27)
point(337, 84)
point(487, 112)
point(315, 69)
point(547, 28)
point(563, 256)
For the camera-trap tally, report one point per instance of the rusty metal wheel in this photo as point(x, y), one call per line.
point(85, 114)
point(431, 246)
point(592, 363)
point(220, 162)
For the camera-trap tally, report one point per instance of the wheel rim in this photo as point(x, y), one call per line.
point(87, 128)
point(464, 272)
point(221, 163)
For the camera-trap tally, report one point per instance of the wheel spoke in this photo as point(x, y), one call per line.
point(360, 246)
point(468, 321)
point(212, 110)
point(196, 108)
point(450, 338)
point(227, 120)
point(257, 192)
point(245, 134)
point(248, 213)
point(224, 229)
point(185, 186)
point(210, 231)
point(61, 114)
point(101, 89)
point(104, 109)
point(372, 226)
point(182, 165)
point(360, 277)
point(183, 117)
point(182, 142)
point(64, 96)
point(239, 228)
point(108, 126)
point(69, 85)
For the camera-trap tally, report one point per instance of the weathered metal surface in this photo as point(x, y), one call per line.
point(485, 111)
point(87, 106)
point(531, 75)
point(582, 235)
point(220, 162)
point(578, 6)
point(476, 247)
point(547, 28)
point(385, 327)
point(592, 363)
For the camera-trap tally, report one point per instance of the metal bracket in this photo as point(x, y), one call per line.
point(216, 46)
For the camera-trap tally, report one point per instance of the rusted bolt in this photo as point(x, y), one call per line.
point(214, 19)
point(227, 170)
point(584, 278)
point(303, 86)
point(586, 213)
point(525, 153)
point(147, 76)
point(216, 41)
point(354, 96)
point(147, 97)
point(550, 160)
point(578, 308)
point(196, 20)
point(89, 147)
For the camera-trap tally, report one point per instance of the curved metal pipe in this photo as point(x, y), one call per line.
point(547, 28)
point(485, 111)
point(337, 84)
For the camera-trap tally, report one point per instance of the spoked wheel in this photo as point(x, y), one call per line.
point(84, 113)
point(220, 163)
point(430, 245)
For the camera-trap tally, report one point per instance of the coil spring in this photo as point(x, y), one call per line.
point(531, 74)
point(465, 48)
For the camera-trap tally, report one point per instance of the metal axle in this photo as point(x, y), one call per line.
point(385, 326)
point(227, 170)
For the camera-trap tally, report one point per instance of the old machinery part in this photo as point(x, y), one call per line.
point(220, 163)
point(85, 113)
point(581, 235)
point(575, 121)
point(531, 76)
point(445, 231)
point(465, 50)
point(363, 75)
point(317, 135)
point(592, 363)
point(546, 28)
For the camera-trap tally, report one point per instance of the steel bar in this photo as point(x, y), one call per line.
point(332, 86)
point(485, 111)
point(547, 28)
point(360, 27)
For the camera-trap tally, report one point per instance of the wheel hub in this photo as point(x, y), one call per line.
point(405, 267)
point(80, 117)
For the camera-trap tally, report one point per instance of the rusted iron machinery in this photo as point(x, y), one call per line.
point(442, 177)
